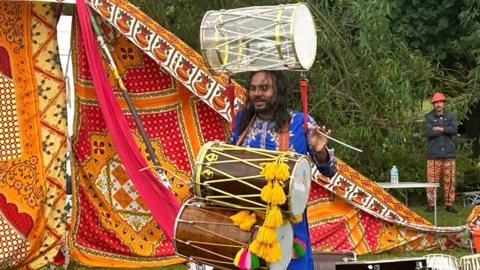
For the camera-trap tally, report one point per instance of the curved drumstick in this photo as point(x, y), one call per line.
point(333, 139)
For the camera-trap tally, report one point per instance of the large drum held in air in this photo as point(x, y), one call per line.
point(259, 38)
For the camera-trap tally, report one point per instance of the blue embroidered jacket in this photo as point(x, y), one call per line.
point(263, 135)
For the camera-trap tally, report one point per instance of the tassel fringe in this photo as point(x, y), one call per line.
point(278, 195)
point(266, 244)
point(274, 218)
point(246, 260)
point(239, 217)
point(249, 221)
point(267, 192)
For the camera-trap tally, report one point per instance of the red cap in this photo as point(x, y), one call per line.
point(438, 97)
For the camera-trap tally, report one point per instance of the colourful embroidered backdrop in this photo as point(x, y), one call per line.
point(111, 224)
point(32, 136)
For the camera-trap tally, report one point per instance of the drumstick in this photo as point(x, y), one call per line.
point(333, 139)
point(167, 170)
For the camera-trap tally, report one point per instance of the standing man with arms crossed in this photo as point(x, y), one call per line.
point(441, 126)
point(267, 123)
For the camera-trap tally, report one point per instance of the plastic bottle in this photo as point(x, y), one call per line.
point(394, 175)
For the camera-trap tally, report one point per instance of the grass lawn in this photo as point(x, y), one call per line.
point(444, 218)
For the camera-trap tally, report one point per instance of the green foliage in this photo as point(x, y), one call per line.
point(377, 62)
point(429, 26)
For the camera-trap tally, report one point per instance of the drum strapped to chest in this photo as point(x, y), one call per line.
point(259, 38)
point(229, 175)
point(205, 234)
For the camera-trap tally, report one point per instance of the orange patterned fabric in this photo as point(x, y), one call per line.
point(112, 226)
point(32, 136)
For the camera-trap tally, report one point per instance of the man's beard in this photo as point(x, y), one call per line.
point(269, 106)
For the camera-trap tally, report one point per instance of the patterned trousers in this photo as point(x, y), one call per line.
point(434, 169)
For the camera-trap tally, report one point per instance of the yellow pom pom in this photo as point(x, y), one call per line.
point(269, 170)
point(273, 253)
point(266, 194)
point(283, 172)
point(274, 218)
point(266, 235)
point(240, 217)
point(278, 195)
point(248, 222)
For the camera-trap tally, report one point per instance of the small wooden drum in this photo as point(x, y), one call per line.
point(441, 262)
point(258, 38)
point(229, 175)
point(471, 262)
point(205, 234)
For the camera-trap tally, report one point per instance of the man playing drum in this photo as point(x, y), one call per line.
point(266, 122)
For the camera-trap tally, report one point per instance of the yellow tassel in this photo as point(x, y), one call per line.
point(269, 170)
point(297, 219)
point(273, 252)
point(266, 194)
point(282, 171)
point(274, 218)
point(248, 222)
point(266, 235)
point(240, 217)
point(263, 250)
point(278, 195)
point(254, 247)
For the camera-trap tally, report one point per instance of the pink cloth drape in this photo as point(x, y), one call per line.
point(159, 200)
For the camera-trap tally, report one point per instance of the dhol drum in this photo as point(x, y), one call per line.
point(206, 235)
point(471, 262)
point(441, 262)
point(259, 37)
point(229, 175)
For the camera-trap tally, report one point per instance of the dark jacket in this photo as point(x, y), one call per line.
point(440, 144)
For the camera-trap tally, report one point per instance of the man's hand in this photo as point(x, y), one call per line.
point(318, 142)
point(437, 129)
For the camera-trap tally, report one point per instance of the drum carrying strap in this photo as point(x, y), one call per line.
point(284, 143)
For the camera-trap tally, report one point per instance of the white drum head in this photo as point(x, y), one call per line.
point(304, 36)
point(285, 238)
point(300, 186)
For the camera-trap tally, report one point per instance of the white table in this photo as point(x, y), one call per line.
point(402, 185)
